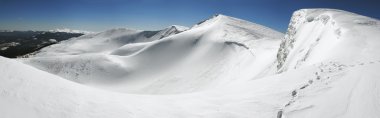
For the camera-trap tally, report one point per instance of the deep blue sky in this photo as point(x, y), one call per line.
point(98, 15)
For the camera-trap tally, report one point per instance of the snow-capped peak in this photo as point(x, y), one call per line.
point(207, 21)
point(233, 26)
point(219, 16)
point(179, 28)
point(71, 31)
point(171, 30)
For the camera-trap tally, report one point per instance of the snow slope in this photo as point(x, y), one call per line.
point(220, 50)
point(297, 93)
point(106, 41)
point(325, 34)
point(345, 46)
point(327, 67)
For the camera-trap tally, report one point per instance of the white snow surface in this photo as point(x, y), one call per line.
point(325, 67)
point(222, 50)
point(317, 35)
point(107, 41)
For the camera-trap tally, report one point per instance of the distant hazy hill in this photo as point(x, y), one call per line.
point(19, 43)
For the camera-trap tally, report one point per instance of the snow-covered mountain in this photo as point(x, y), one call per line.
point(343, 48)
point(324, 34)
point(107, 41)
point(326, 66)
point(67, 30)
point(165, 61)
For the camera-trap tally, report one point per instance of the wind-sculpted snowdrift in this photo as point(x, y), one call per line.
point(325, 67)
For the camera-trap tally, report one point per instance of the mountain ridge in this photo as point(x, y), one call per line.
point(158, 56)
point(222, 67)
point(331, 20)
